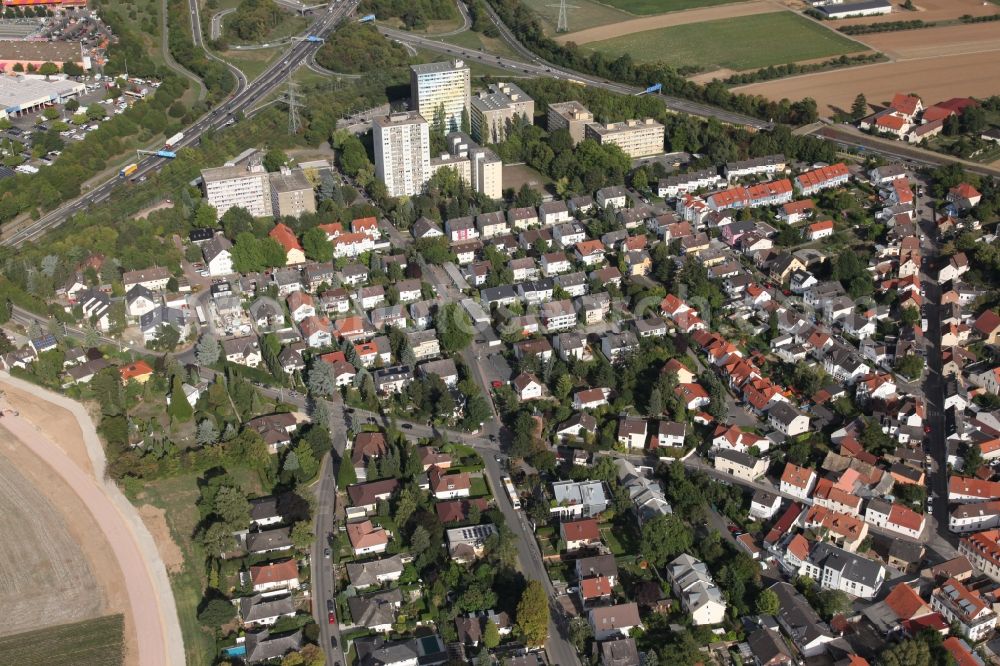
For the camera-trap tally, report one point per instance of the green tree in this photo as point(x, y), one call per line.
point(179, 408)
point(48, 69)
point(910, 366)
point(232, 507)
point(767, 603)
point(316, 246)
point(533, 614)
point(274, 159)
point(302, 536)
point(859, 109)
point(663, 538)
point(454, 327)
point(207, 350)
point(216, 612)
point(308, 465)
point(491, 635)
point(346, 474)
point(217, 539)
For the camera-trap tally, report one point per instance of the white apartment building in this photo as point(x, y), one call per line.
point(237, 187)
point(637, 138)
point(441, 84)
point(402, 152)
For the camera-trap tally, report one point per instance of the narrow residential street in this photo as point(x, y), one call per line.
point(323, 585)
point(560, 651)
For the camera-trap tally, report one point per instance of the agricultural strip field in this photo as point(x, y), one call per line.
point(44, 574)
point(645, 23)
point(734, 43)
point(933, 79)
point(96, 642)
point(936, 42)
point(661, 6)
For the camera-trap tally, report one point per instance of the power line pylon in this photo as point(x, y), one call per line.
point(292, 100)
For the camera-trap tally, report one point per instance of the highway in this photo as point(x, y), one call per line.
point(243, 98)
point(533, 65)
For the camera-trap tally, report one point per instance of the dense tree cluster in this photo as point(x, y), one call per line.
point(359, 47)
point(254, 20)
point(214, 74)
point(414, 13)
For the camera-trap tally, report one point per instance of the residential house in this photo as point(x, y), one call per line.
point(797, 481)
point(466, 544)
point(957, 603)
point(274, 576)
point(578, 499)
point(700, 597)
point(580, 533)
point(366, 538)
point(608, 622)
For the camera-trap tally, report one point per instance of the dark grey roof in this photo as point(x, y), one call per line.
point(797, 617)
point(262, 647)
point(259, 607)
point(851, 567)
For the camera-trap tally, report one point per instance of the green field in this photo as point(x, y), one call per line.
point(98, 642)
point(646, 7)
point(585, 14)
point(748, 42)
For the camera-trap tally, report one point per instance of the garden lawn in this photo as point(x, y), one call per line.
point(177, 496)
point(748, 42)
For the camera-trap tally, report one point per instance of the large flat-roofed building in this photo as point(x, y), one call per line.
point(494, 109)
point(637, 138)
point(20, 95)
point(291, 193)
point(482, 169)
point(238, 187)
point(571, 116)
point(35, 53)
point(439, 85)
point(402, 152)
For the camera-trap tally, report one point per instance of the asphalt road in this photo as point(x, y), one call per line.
point(245, 96)
point(533, 65)
point(558, 647)
point(323, 585)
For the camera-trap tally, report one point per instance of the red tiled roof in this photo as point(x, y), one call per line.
point(796, 476)
point(987, 322)
point(958, 649)
point(784, 523)
point(822, 175)
point(891, 122)
point(595, 588)
point(274, 573)
point(133, 370)
point(285, 237)
point(965, 191)
point(906, 603)
point(581, 530)
point(905, 103)
point(905, 517)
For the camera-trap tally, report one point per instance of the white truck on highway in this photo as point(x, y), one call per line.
point(174, 140)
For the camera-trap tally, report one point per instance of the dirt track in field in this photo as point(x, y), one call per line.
point(669, 20)
point(936, 42)
point(934, 79)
